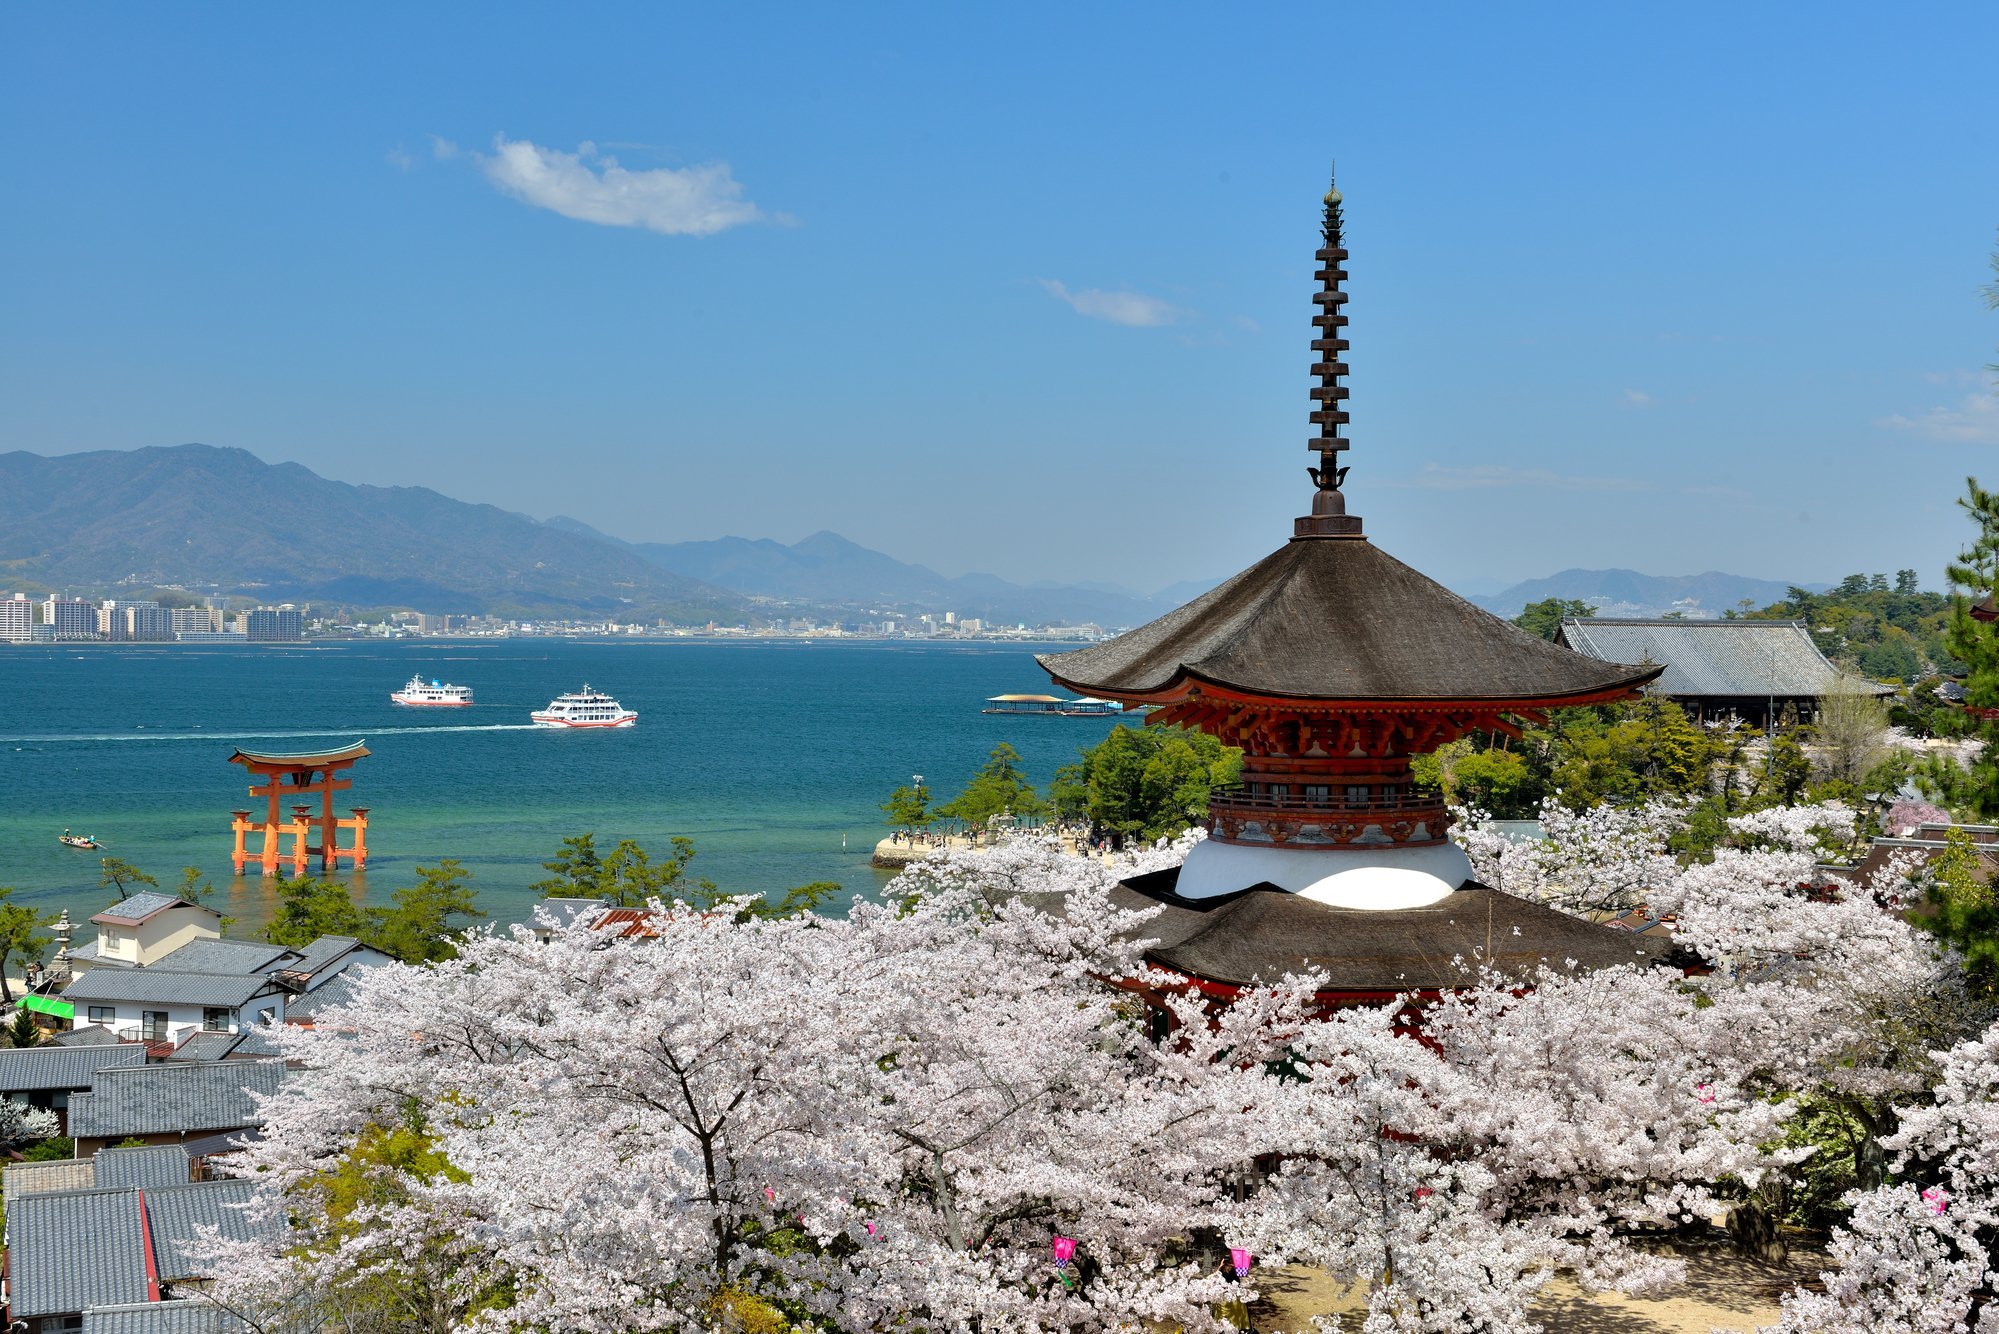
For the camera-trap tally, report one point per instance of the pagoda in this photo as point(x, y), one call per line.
point(1332, 665)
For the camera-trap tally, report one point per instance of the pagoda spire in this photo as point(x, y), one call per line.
point(1329, 517)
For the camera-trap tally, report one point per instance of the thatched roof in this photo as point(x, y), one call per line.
point(1339, 619)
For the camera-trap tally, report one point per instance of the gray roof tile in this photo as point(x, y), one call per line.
point(206, 1047)
point(178, 1097)
point(1740, 659)
point(75, 1249)
point(336, 990)
point(141, 906)
point(176, 1212)
point(166, 988)
point(179, 1317)
point(90, 1035)
point(218, 955)
point(37, 1069)
point(161, 1165)
point(321, 952)
point(41, 1178)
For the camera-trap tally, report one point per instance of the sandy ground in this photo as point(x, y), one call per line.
point(1723, 1291)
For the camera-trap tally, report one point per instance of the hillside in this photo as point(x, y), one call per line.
point(1629, 593)
point(830, 570)
point(198, 516)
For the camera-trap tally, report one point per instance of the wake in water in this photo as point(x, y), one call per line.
point(350, 733)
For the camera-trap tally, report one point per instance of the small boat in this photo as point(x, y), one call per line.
point(584, 708)
point(1053, 706)
point(435, 695)
point(83, 841)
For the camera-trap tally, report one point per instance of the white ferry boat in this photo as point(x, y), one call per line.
point(585, 708)
point(434, 695)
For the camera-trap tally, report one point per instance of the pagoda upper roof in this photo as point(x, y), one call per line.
point(1337, 619)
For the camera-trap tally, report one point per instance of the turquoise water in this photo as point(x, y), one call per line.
point(770, 755)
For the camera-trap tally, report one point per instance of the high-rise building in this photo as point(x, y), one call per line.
point(69, 618)
point(196, 621)
point(17, 619)
point(124, 621)
point(274, 625)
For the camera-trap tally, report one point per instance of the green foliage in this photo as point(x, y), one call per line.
point(52, 1150)
point(999, 788)
point(1961, 910)
point(1544, 618)
point(1499, 782)
point(1629, 753)
point(1147, 783)
point(130, 1142)
point(908, 807)
point(309, 908)
point(1888, 632)
point(120, 876)
point(197, 888)
point(20, 935)
point(24, 1031)
point(1975, 642)
point(796, 902)
point(627, 878)
point(421, 925)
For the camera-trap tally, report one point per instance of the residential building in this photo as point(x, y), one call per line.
point(47, 1076)
point(109, 1257)
point(17, 619)
point(1746, 669)
point(171, 1102)
point(146, 928)
point(195, 620)
point(274, 625)
point(69, 618)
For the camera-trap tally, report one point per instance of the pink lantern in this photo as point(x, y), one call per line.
point(871, 1229)
point(770, 1195)
point(1239, 1257)
point(1423, 1193)
point(1936, 1198)
point(1705, 1092)
point(1065, 1247)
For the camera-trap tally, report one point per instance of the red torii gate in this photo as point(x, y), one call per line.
point(293, 776)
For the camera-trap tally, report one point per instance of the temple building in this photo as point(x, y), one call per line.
point(1331, 665)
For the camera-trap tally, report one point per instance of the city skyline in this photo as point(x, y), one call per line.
point(1013, 291)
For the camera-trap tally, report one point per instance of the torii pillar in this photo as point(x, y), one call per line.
point(286, 778)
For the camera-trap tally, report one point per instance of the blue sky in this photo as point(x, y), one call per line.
point(1024, 288)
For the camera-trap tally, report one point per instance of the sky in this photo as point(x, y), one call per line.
point(1025, 288)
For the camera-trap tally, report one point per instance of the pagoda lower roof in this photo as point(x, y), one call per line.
point(1338, 620)
point(317, 759)
point(1264, 932)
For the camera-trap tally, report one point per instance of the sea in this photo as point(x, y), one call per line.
point(771, 755)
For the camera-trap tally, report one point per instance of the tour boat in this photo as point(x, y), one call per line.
point(585, 708)
point(85, 841)
point(435, 695)
point(1053, 706)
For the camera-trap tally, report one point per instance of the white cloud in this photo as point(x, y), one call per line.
point(442, 149)
point(591, 187)
point(1974, 421)
point(1134, 309)
point(1637, 398)
point(399, 159)
point(1436, 477)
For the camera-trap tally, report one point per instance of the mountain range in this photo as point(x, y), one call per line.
point(199, 517)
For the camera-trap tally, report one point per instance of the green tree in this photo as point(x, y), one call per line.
point(119, 876)
point(309, 908)
point(576, 872)
point(426, 916)
point(1976, 643)
point(197, 888)
point(1544, 618)
point(998, 788)
point(1149, 783)
point(626, 878)
point(20, 935)
point(908, 807)
point(24, 1031)
point(1960, 909)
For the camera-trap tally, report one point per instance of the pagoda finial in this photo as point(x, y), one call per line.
point(1329, 517)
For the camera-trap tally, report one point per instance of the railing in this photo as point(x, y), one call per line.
point(1334, 802)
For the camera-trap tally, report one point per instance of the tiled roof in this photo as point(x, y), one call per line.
point(1742, 659)
point(91, 955)
point(39, 1069)
point(326, 950)
point(175, 1212)
point(41, 1178)
point(178, 1097)
point(165, 988)
point(215, 955)
point(160, 1165)
point(181, 1317)
point(206, 1047)
point(336, 990)
point(139, 907)
point(90, 1035)
point(75, 1249)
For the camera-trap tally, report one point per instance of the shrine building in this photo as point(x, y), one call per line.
point(1331, 665)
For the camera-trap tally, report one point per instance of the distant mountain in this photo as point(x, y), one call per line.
point(1629, 593)
point(830, 570)
point(197, 516)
